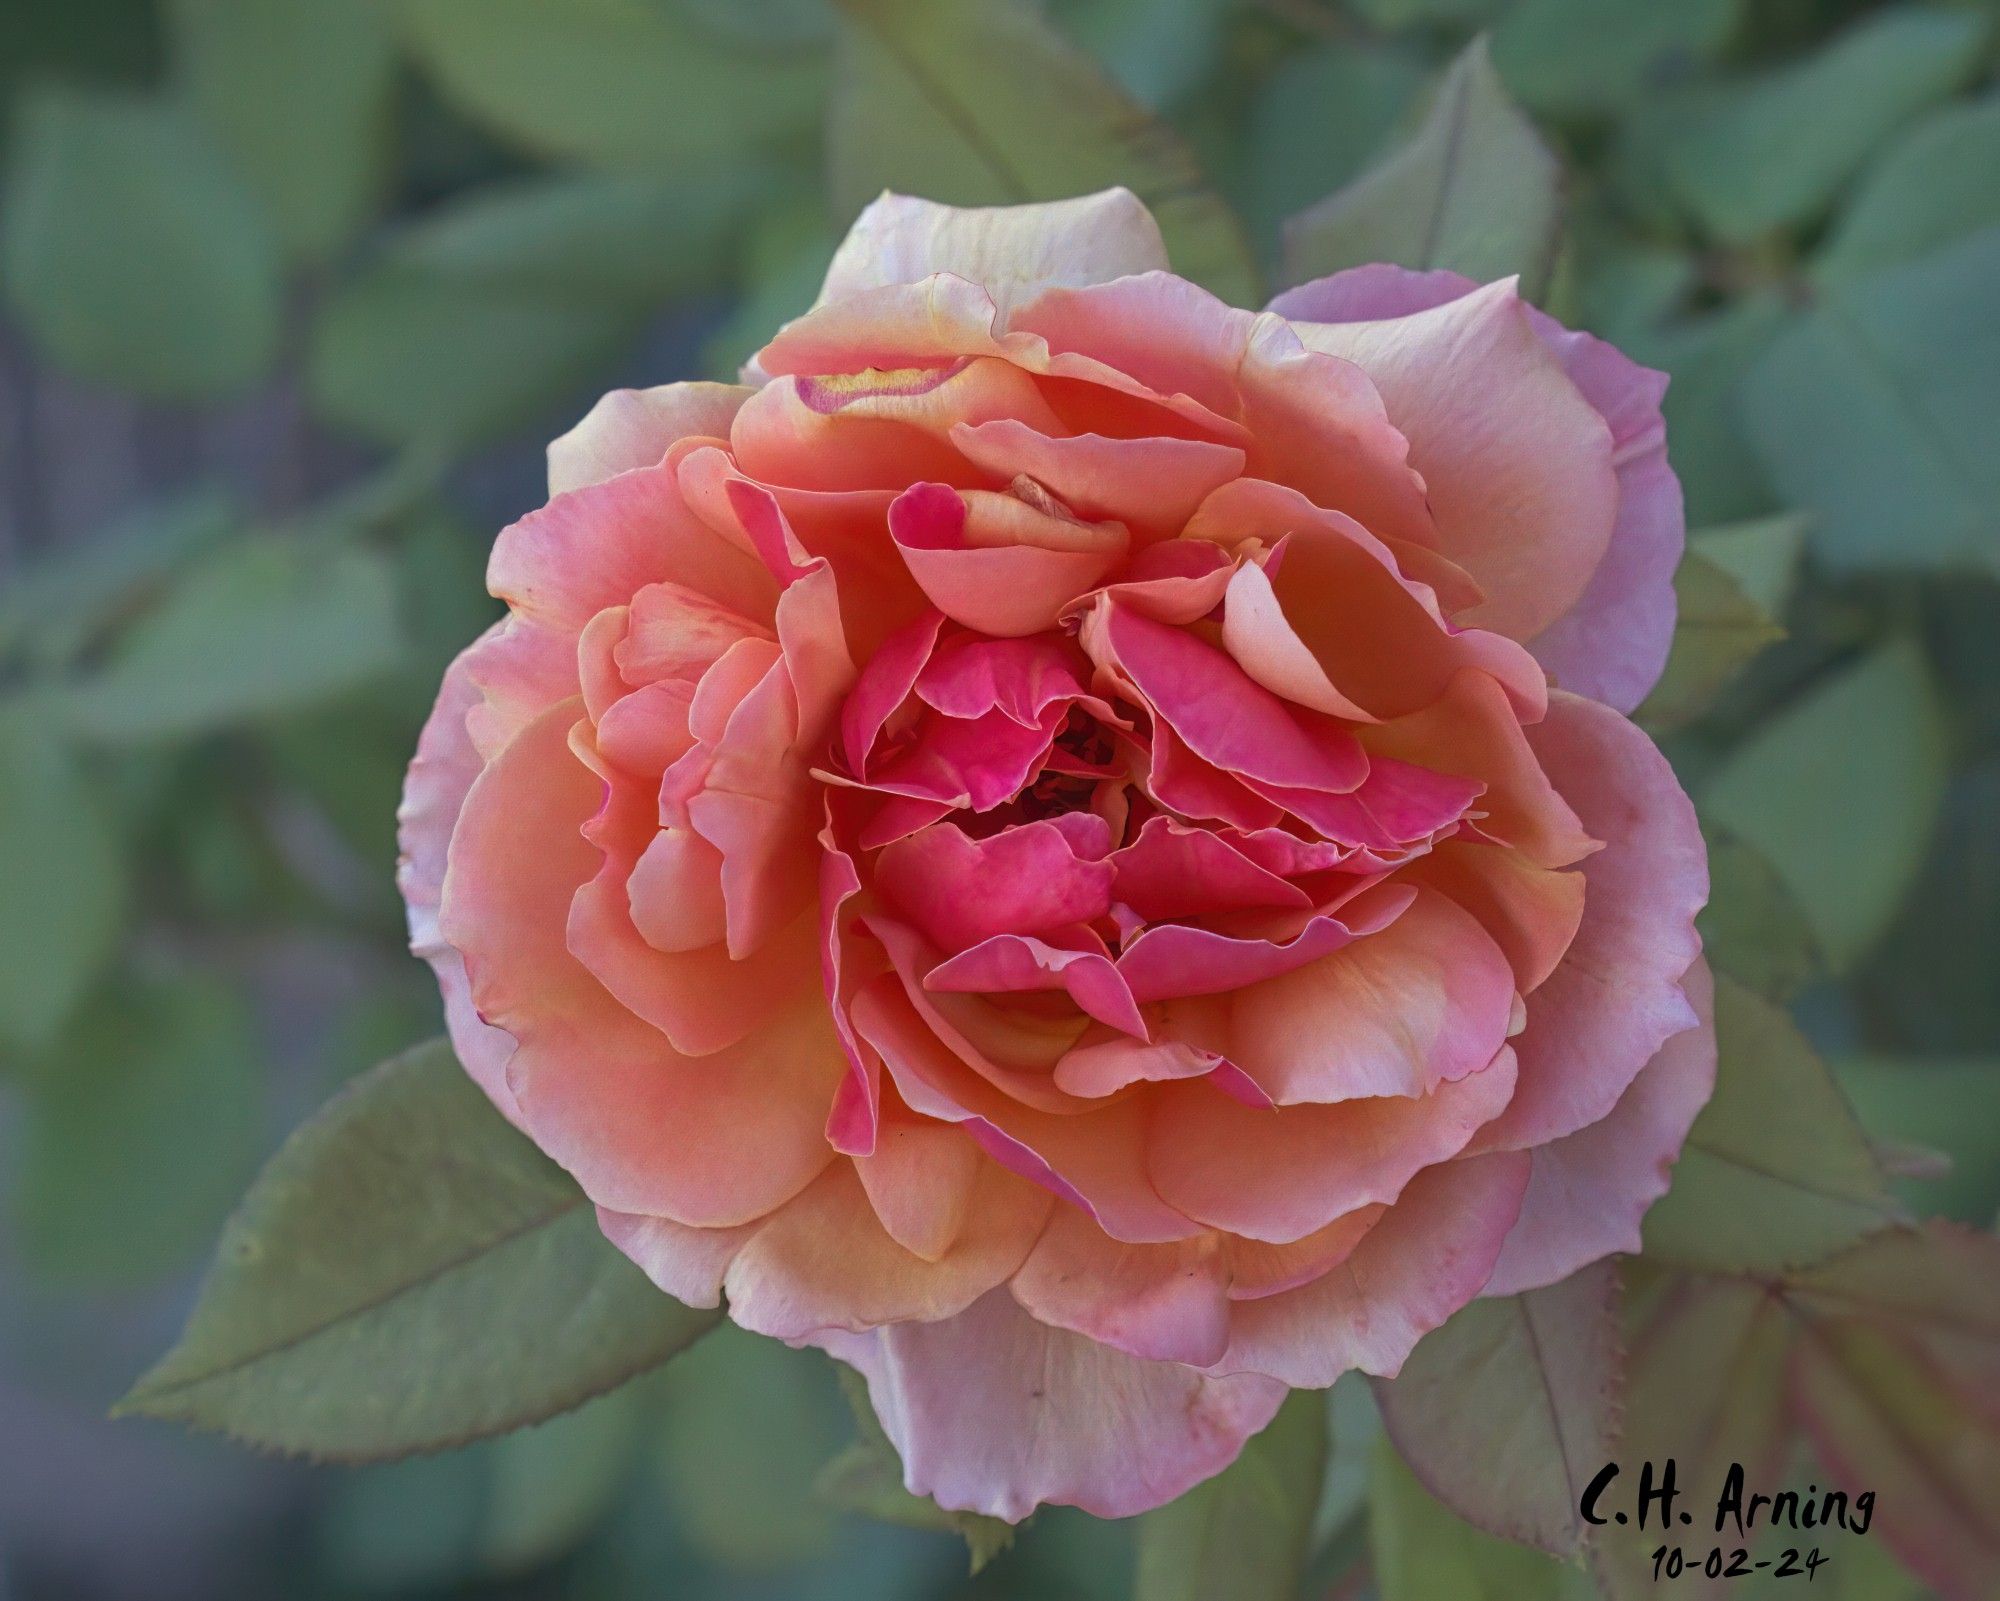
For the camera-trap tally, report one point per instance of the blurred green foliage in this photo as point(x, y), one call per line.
point(413, 237)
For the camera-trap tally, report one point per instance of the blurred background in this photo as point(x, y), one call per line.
point(292, 293)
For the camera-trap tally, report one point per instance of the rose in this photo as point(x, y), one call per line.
point(1077, 847)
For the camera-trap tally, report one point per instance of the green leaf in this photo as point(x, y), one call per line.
point(298, 93)
point(554, 1483)
point(1771, 151)
point(1705, 1388)
point(748, 1424)
point(483, 314)
point(1720, 627)
point(1707, 357)
point(1423, 1551)
point(1947, 1104)
point(1751, 928)
point(1244, 1533)
point(1840, 792)
point(58, 605)
point(1929, 187)
point(1507, 1409)
point(1776, 1171)
point(64, 873)
point(1895, 1390)
point(621, 83)
point(1475, 190)
point(868, 1478)
point(979, 102)
point(1871, 411)
point(1158, 53)
point(266, 625)
point(398, 1527)
point(409, 1273)
point(131, 251)
point(1415, 13)
point(1883, 1356)
point(1594, 55)
point(140, 1133)
point(1339, 102)
point(1761, 556)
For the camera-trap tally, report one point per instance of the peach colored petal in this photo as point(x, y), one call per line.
point(1312, 420)
point(1018, 964)
point(1380, 638)
point(1426, 1257)
point(1532, 913)
point(921, 1178)
point(1011, 252)
point(1173, 960)
point(631, 428)
point(995, 564)
point(1167, 1303)
point(823, 1261)
point(1103, 1065)
point(599, 546)
point(1591, 1188)
point(1423, 1001)
point(1616, 997)
point(713, 1141)
point(1095, 1161)
point(440, 775)
point(1612, 644)
point(1281, 1175)
point(701, 999)
point(1473, 730)
point(994, 1412)
point(1258, 1269)
point(1150, 484)
point(1517, 464)
point(880, 429)
point(675, 891)
point(686, 1262)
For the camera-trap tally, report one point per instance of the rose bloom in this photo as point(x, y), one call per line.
point(1077, 847)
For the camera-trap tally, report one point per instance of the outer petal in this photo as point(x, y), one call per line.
point(688, 1263)
point(1095, 1160)
point(994, 1412)
point(1281, 1175)
point(824, 1261)
point(1012, 252)
point(1590, 1189)
point(560, 566)
point(1612, 644)
point(1615, 998)
point(1427, 1257)
point(443, 770)
point(712, 1141)
point(1168, 1303)
point(633, 427)
point(1518, 464)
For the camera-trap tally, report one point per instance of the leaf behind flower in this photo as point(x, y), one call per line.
point(1244, 1533)
point(409, 1273)
point(1475, 189)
